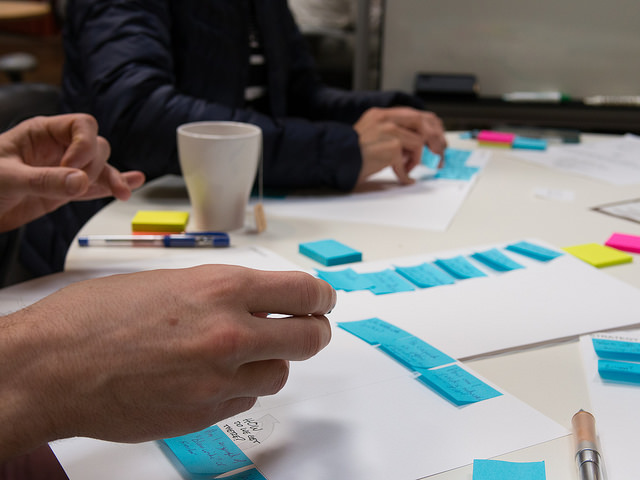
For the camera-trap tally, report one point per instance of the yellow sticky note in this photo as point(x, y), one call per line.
point(159, 221)
point(484, 143)
point(598, 255)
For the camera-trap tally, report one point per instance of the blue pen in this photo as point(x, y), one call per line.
point(194, 239)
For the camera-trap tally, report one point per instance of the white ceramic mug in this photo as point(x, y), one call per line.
point(219, 161)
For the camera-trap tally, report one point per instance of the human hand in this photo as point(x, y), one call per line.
point(154, 354)
point(395, 137)
point(46, 162)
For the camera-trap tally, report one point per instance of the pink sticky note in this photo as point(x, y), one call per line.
point(498, 137)
point(627, 243)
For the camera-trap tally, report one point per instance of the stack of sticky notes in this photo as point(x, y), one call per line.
point(159, 221)
point(330, 252)
point(598, 255)
point(490, 138)
point(624, 242)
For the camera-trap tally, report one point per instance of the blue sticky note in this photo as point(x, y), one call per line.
point(347, 279)
point(388, 281)
point(374, 331)
point(529, 143)
point(457, 385)
point(497, 260)
point(251, 474)
point(534, 251)
point(426, 275)
point(459, 267)
point(500, 470)
point(430, 159)
point(617, 349)
point(615, 371)
point(414, 353)
point(457, 173)
point(330, 252)
point(208, 452)
point(455, 157)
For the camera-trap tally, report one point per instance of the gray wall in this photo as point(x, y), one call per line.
point(580, 47)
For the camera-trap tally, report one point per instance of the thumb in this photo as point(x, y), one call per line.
point(57, 182)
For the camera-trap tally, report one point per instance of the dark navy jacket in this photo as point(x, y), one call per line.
point(143, 67)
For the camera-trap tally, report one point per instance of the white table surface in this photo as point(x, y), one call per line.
point(501, 207)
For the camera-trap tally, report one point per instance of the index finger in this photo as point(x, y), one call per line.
point(79, 133)
point(289, 293)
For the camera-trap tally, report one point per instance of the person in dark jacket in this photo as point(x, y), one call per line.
point(144, 68)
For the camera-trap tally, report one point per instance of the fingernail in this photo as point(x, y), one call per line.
point(74, 183)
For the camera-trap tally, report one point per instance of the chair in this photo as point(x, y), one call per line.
point(14, 65)
point(19, 101)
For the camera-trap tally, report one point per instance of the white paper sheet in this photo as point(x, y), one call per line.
point(349, 412)
point(613, 161)
point(543, 302)
point(429, 204)
point(615, 408)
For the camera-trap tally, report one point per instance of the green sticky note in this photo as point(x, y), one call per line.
point(330, 252)
point(500, 470)
point(208, 452)
point(374, 331)
point(457, 385)
point(160, 221)
point(598, 255)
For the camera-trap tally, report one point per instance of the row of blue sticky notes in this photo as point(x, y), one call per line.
point(440, 272)
point(500, 470)
point(452, 382)
point(208, 452)
point(330, 252)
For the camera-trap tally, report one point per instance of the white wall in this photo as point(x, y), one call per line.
point(581, 47)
